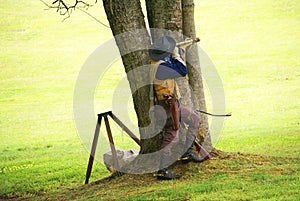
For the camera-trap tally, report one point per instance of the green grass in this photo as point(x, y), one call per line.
point(255, 45)
point(229, 177)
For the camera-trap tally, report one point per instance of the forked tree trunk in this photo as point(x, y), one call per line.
point(195, 75)
point(126, 16)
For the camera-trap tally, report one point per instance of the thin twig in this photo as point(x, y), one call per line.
point(66, 10)
point(94, 17)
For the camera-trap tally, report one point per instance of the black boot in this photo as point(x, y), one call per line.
point(189, 156)
point(165, 174)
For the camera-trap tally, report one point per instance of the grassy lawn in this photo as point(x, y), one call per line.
point(255, 45)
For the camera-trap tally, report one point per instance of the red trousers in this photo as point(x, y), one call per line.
point(170, 134)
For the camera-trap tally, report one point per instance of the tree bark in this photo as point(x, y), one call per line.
point(164, 16)
point(126, 16)
point(194, 68)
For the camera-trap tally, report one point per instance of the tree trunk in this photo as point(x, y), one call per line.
point(193, 65)
point(126, 17)
point(164, 15)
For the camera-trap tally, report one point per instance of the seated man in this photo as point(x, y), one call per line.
point(166, 66)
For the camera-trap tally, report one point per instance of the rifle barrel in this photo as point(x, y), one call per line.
point(188, 41)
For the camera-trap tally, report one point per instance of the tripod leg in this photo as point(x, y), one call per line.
point(112, 145)
point(136, 139)
point(93, 150)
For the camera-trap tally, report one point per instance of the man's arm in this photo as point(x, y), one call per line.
point(169, 70)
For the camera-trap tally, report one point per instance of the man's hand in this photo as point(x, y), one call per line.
point(175, 53)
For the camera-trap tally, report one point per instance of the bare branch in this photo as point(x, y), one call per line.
point(64, 9)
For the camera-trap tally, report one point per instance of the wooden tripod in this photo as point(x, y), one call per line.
point(112, 144)
point(110, 138)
